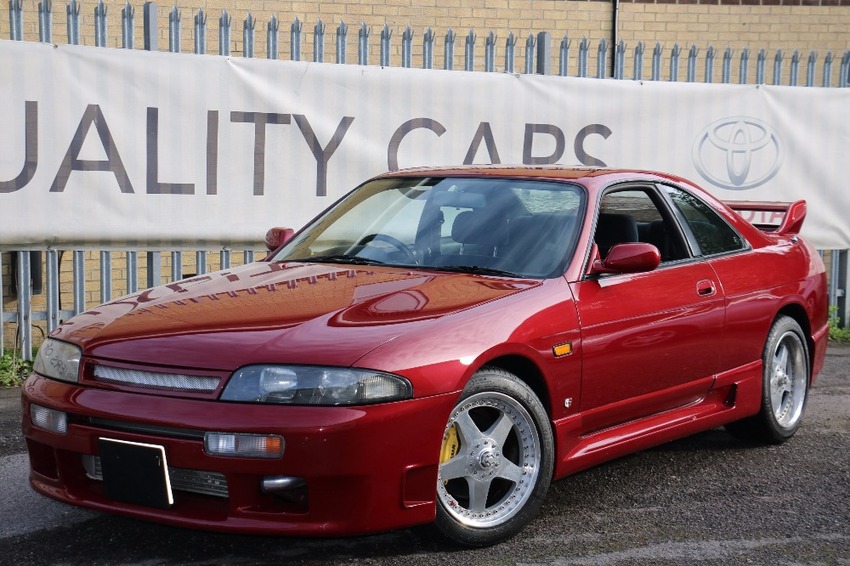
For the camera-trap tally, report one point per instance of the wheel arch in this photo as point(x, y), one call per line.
point(529, 373)
point(797, 312)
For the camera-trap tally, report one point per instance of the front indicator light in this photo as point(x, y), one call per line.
point(49, 419)
point(564, 349)
point(243, 445)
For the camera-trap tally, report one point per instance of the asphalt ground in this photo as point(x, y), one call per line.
point(706, 499)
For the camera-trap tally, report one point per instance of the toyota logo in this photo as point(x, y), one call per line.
point(738, 153)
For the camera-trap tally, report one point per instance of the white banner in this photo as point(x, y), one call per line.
point(110, 147)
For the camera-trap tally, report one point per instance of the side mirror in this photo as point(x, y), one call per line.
point(628, 258)
point(276, 237)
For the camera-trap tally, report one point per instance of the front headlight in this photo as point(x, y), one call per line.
point(307, 385)
point(58, 360)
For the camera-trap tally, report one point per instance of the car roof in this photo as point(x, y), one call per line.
point(589, 176)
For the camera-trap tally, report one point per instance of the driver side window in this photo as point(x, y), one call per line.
point(632, 215)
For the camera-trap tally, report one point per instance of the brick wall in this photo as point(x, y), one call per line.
point(806, 25)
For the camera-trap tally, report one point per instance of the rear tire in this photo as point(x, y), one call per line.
point(496, 460)
point(785, 386)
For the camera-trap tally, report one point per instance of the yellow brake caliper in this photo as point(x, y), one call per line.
point(451, 444)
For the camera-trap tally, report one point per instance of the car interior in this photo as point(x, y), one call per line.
point(633, 215)
point(501, 232)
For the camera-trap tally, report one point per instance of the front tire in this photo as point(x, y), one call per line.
point(496, 460)
point(785, 386)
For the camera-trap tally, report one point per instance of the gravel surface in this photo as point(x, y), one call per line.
point(707, 499)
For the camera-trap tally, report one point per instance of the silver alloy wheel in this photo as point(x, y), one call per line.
point(495, 466)
point(788, 375)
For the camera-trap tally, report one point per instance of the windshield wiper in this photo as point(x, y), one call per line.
point(339, 258)
point(474, 269)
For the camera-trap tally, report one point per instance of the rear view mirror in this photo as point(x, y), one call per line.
point(276, 237)
point(628, 258)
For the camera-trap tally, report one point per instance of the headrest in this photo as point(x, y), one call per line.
point(614, 229)
point(479, 228)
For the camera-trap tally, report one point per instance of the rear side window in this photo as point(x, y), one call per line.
point(710, 231)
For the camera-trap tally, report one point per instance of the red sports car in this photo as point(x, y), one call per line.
point(438, 346)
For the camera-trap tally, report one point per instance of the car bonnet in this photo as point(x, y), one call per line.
point(276, 312)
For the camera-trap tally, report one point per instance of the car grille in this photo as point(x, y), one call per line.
point(195, 481)
point(155, 380)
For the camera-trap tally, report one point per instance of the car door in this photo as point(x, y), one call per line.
point(650, 341)
point(744, 273)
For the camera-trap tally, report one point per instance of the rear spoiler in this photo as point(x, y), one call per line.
point(784, 218)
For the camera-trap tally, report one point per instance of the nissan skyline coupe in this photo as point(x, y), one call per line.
point(437, 347)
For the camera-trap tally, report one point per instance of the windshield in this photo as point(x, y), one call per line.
point(509, 227)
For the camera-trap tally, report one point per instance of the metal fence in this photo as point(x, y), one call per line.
point(31, 273)
point(538, 56)
point(38, 273)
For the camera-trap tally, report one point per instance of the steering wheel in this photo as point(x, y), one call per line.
point(394, 242)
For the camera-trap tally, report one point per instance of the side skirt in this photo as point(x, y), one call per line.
point(736, 394)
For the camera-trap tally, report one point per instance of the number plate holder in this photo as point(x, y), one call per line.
point(134, 472)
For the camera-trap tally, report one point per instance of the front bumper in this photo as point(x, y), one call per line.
point(364, 469)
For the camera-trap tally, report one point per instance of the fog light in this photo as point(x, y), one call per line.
point(280, 484)
point(289, 490)
point(48, 419)
point(243, 445)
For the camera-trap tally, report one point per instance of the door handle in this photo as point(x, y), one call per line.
point(706, 288)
